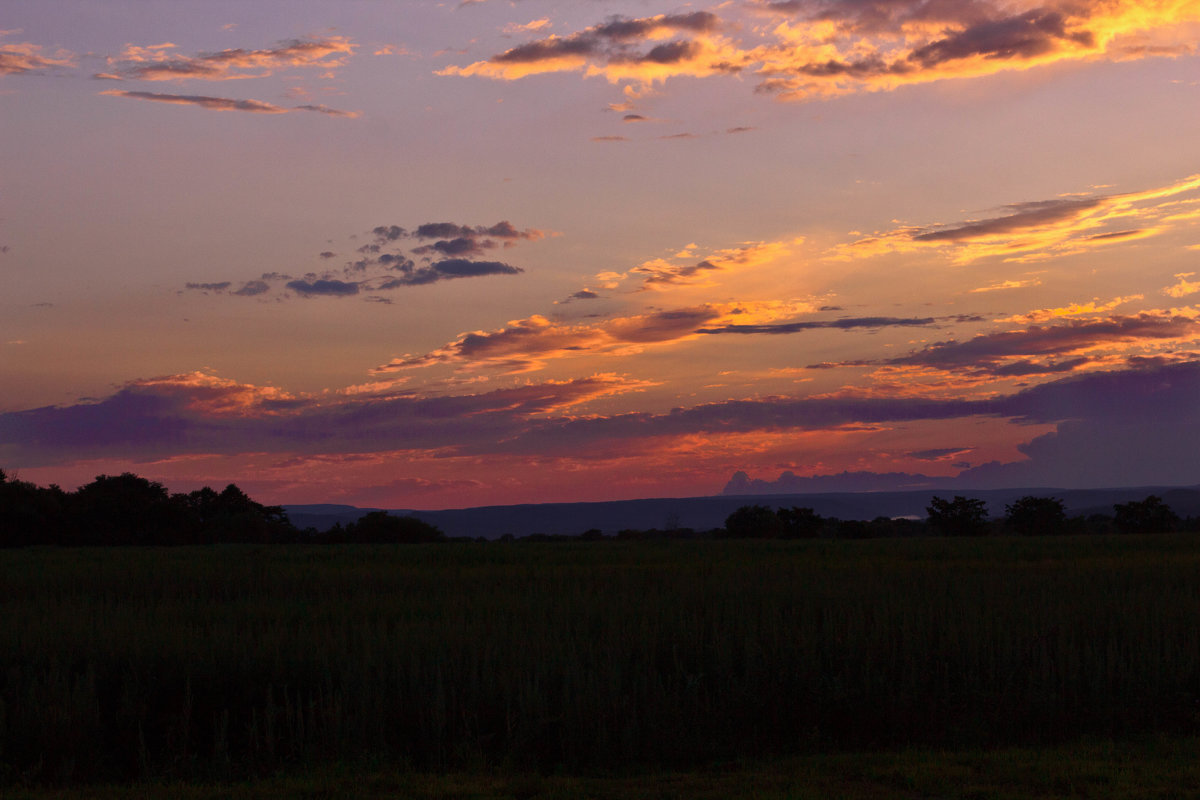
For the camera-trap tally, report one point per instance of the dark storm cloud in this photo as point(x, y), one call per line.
point(584, 294)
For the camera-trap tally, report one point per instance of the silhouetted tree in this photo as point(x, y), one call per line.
point(1036, 516)
point(125, 509)
point(231, 516)
point(380, 527)
point(30, 514)
point(753, 522)
point(961, 516)
point(800, 523)
point(1151, 515)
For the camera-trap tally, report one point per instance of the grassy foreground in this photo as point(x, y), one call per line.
point(1162, 768)
point(225, 663)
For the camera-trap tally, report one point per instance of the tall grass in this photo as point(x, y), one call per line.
point(121, 663)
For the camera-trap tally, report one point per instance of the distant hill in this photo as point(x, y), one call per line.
point(704, 513)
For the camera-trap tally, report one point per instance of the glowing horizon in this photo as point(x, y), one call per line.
point(586, 251)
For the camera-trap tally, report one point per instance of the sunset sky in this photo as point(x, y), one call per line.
point(442, 254)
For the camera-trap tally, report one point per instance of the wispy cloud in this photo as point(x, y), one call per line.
point(1034, 230)
point(1183, 286)
point(1045, 349)
point(224, 103)
point(20, 58)
point(160, 63)
point(846, 323)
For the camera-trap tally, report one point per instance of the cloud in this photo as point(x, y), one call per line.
point(1003, 285)
point(448, 269)
point(382, 264)
point(333, 112)
point(811, 50)
point(847, 323)
point(323, 287)
point(22, 58)
point(996, 353)
point(610, 48)
point(224, 103)
point(1134, 427)
point(1120, 427)
point(940, 453)
point(1183, 287)
point(528, 343)
point(1035, 230)
point(532, 25)
point(1092, 307)
point(157, 63)
point(202, 413)
point(253, 288)
point(661, 273)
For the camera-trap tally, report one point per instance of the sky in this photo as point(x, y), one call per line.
point(445, 254)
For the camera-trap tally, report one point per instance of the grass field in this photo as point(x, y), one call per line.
point(220, 664)
point(1156, 768)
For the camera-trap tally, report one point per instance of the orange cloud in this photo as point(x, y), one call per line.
point(1093, 307)
point(995, 287)
point(527, 344)
point(803, 51)
point(662, 273)
point(17, 58)
point(1184, 287)
point(532, 25)
point(226, 103)
point(1035, 230)
point(156, 63)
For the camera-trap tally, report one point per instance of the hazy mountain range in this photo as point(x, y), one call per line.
point(703, 513)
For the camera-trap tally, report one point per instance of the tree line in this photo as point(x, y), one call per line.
point(961, 516)
point(128, 509)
